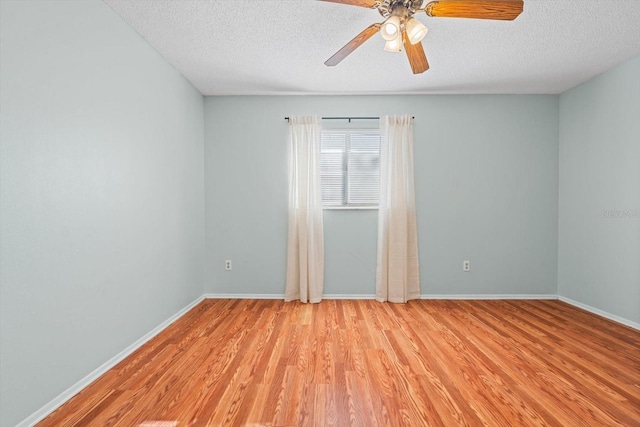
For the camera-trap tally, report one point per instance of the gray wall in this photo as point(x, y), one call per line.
point(102, 195)
point(599, 251)
point(486, 182)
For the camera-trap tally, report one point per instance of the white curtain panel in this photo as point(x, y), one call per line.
point(305, 246)
point(397, 270)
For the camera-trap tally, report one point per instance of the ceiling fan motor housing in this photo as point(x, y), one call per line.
point(403, 8)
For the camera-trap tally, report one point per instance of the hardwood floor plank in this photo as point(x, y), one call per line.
point(276, 395)
point(361, 411)
point(365, 363)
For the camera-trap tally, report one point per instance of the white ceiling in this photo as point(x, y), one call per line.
point(242, 47)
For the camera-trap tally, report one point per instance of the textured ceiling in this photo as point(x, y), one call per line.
point(242, 47)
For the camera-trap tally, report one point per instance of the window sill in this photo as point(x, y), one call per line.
point(350, 208)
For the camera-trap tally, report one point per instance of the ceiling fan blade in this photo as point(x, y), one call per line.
point(506, 10)
point(416, 55)
point(361, 3)
point(352, 45)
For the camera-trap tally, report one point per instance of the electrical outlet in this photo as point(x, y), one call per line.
point(227, 265)
point(466, 265)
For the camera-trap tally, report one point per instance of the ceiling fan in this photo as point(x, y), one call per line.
point(400, 28)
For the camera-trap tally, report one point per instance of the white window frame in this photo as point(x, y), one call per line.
point(345, 162)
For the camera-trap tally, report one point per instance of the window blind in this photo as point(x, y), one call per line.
point(350, 167)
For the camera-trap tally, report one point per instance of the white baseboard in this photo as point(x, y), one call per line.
point(243, 296)
point(41, 413)
point(599, 312)
point(372, 296)
point(281, 296)
point(489, 296)
point(349, 296)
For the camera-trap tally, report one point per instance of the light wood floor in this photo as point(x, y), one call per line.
point(364, 363)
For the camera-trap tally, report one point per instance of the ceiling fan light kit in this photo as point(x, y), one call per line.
point(401, 28)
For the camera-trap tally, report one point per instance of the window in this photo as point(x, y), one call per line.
point(350, 167)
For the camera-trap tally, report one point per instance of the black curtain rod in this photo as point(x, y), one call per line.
point(348, 118)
